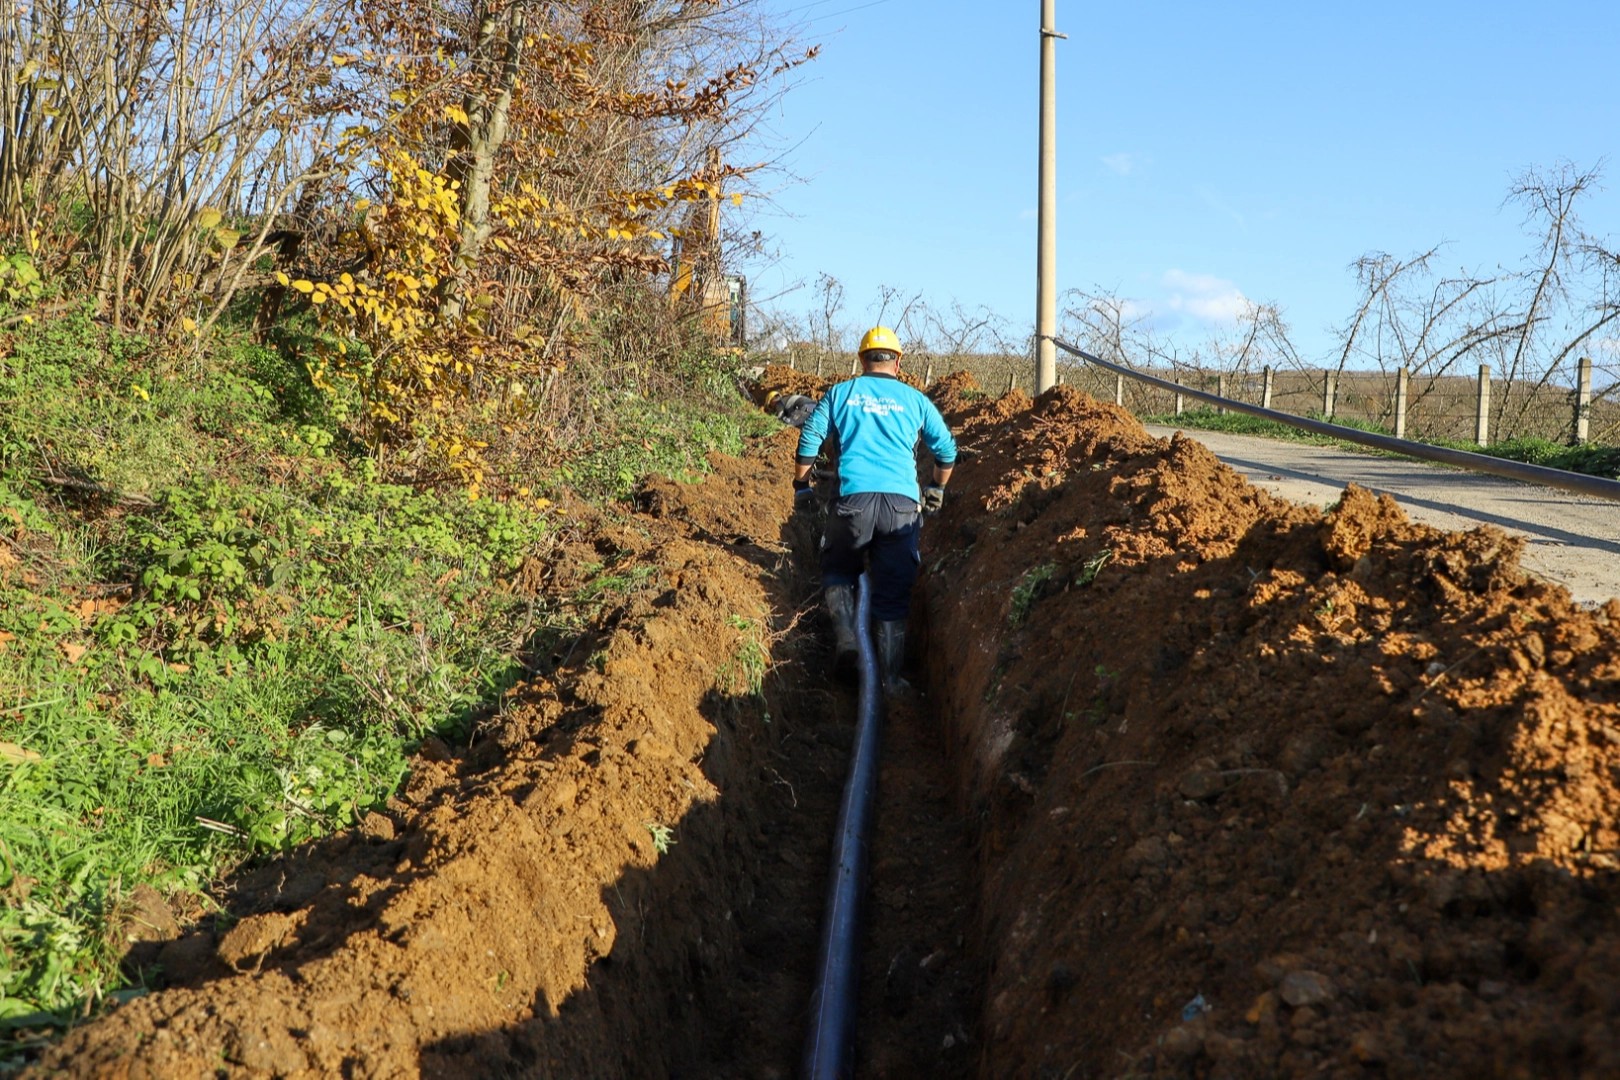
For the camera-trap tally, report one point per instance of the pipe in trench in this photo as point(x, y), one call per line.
point(829, 1051)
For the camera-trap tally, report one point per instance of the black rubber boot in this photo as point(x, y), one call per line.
point(840, 601)
point(891, 650)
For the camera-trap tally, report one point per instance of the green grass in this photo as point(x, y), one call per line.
point(668, 435)
point(1027, 590)
point(1207, 419)
point(224, 633)
point(1589, 459)
point(745, 672)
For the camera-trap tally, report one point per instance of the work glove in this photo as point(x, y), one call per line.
point(933, 498)
point(804, 497)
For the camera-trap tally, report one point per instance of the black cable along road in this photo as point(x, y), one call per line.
point(1580, 483)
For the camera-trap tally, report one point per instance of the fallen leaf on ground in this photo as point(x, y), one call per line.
point(10, 751)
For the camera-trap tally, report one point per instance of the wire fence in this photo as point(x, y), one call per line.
point(1442, 408)
point(1599, 486)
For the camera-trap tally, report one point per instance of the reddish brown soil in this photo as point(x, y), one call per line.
point(1346, 781)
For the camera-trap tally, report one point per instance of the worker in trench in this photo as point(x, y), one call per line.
point(792, 409)
point(874, 422)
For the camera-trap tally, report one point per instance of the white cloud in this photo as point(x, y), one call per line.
point(1205, 297)
point(1122, 164)
point(1133, 310)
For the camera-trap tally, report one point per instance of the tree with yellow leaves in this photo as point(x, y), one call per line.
point(531, 159)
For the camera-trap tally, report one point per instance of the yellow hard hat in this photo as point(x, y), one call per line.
point(880, 337)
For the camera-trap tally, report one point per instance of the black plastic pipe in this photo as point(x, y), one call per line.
point(1596, 486)
point(829, 1053)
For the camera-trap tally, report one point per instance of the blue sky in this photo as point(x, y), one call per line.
point(1207, 153)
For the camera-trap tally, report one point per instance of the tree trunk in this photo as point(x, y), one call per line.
point(475, 144)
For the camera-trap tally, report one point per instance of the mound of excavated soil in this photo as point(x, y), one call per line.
point(1267, 790)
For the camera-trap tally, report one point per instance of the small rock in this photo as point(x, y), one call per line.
point(1304, 988)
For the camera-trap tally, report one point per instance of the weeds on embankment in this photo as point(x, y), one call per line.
point(222, 632)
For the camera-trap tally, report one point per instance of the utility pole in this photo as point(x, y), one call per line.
point(1046, 226)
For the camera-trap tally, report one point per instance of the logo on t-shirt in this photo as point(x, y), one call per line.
point(875, 406)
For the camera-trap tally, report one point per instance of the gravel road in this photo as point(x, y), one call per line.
point(1573, 540)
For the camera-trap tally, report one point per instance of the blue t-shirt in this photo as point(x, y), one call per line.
point(875, 421)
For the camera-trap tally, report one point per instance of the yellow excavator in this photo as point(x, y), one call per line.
point(696, 285)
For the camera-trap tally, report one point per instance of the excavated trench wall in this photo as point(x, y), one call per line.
point(1264, 789)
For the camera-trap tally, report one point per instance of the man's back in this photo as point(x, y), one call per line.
point(875, 420)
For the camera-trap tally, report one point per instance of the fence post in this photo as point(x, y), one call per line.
point(820, 357)
point(1583, 400)
point(1119, 390)
point(1012, 381)
point(928, 372)
point(1220, 391)
point(1265, 389)
point(1330, 393)
point(1178, 402)
point(855, 365)
point(1402, 382)
point(1482, 411)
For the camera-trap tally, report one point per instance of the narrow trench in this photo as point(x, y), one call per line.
point(920, 984)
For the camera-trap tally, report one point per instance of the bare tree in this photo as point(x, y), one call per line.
point(829, 292)
point(180, 130)
point(1552, 325)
